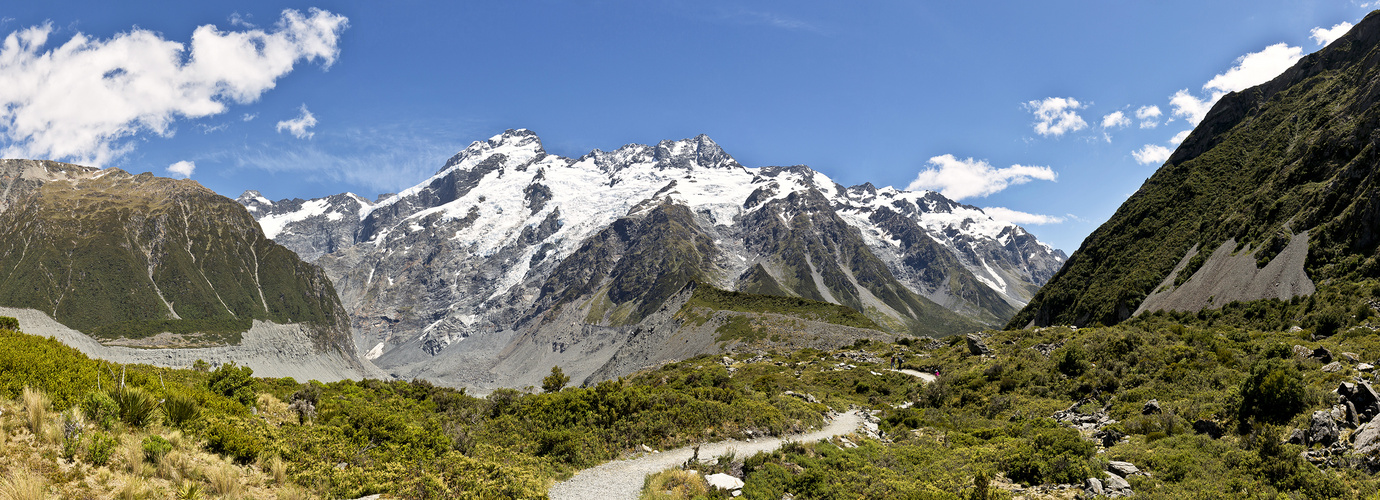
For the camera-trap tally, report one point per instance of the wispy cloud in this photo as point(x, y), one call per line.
point(84, 100)
point(762, 18)
point(378, 159)
point(1018, 217)
point(966, 178)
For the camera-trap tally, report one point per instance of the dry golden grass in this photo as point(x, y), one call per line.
point(675, 484)
point(35, 410)
point(23, 485)
point(224, 479)
point(276, 469)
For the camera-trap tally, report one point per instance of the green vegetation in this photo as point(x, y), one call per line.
point(555, 381)
point(103, 255)
point(814, 310)
point(1290, 156)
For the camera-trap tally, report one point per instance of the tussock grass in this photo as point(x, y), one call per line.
point(675, 484)
point(36, 404)
point(23, 485)
point(224, 479)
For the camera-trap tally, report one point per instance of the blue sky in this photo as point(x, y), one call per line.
point(1004, 104)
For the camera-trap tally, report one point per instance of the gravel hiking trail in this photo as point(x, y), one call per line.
point(623, 479)
point(927, 377)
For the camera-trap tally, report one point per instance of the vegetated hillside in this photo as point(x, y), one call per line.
point(506, 240)
point(116, 255)
point(1293, 156)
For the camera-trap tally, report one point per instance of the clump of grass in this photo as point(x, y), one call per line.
point(35, 409)
point(181, 410)
point(224, 480)
point(135, 488)
point(23, 485)
point(293, 492)
point(276, 468)
point(136, 406)
point(675, 484)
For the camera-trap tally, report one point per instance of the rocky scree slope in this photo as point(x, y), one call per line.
point(506, 237)
point(121, 256)
point(1283, 174)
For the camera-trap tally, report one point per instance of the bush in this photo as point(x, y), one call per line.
point(555, 381)
point(136, 405)
point(155, 447)
point(100, 409)
point(234, 382)
point(1273, 393)
point(1053, 456)
point(231, 441)
point(180, 410)
point(99, 449)
point(71, 433)
point(8, 323)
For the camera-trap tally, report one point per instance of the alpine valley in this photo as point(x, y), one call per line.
point(510, 260)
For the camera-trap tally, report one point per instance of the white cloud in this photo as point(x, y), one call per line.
point(1116, 119)
point(298, 126)
point(84, 100)
point(1149, 116)
point(249, 116)
point(1056, 116)
point(1190, 107)
point(959, 179)
point(1018, 217)
point(1151, 154)
point(183, 168)
point(1327, 36)
point(1250, 70)
point(1255, 68)
point(1179, 137)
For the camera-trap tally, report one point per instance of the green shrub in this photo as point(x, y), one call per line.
point(1053, 456)
point(136, 405)
point(155, 447)
point(99, 449)
point(230, 440)
point(100, 409)
point(1273, 393)
point(71, 433)
point(555, 381)
point(8, 323)
point(234, 382)
point(180, 410)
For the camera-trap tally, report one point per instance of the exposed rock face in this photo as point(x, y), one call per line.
point(118, 255)
point(1272, 192)
point(977, 347)
point(510, 241)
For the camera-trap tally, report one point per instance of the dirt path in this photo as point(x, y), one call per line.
point(622, 479)
point(927, 377)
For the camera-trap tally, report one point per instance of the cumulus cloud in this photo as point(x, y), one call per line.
point(966, 178)
point(183, 168)
point(1179, 137)
point(249, 117)
point(1151, 154)
point(1327, 36)
point(1115, 119)
point(85, 99)
point(298, 126)
point(1018, 217)
point(1149, 116)
point(1250, 70)
point(1057, 115)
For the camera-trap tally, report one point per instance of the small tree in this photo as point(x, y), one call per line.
point(555, 381)
point(1273, 393)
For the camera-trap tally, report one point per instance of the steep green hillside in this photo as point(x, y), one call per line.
point(714, 298)
point(120, 255)
point(1295, 154)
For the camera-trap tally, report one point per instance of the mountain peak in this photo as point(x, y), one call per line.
point(700, 151)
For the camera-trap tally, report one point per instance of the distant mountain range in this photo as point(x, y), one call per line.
point(523, 247)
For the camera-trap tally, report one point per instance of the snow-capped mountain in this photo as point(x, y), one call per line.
point(506, 237)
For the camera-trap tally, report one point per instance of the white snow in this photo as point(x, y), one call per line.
point(375, 352)
point(334, 216)
point(273, 224)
